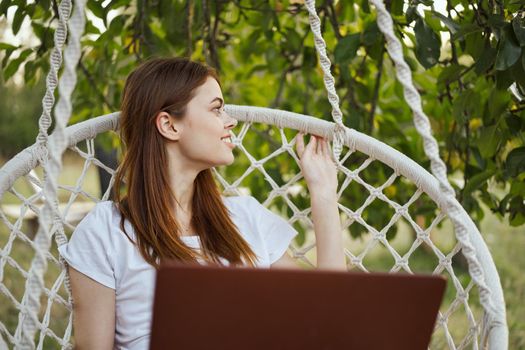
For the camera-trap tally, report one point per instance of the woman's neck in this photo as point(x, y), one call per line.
point(182, 181)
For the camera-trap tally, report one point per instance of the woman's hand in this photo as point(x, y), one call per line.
point(317, 165)
point(320, 174)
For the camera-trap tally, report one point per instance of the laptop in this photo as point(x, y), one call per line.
point(213, 307)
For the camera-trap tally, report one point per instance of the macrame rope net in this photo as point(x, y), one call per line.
point(38, 292)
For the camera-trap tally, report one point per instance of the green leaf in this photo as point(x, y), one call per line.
point(497, 22)
point(517, 188)
point(509, 51)
point(30, 10)
point(45, 4)
point(452, 26)
point(489, 140)
point(356, 230)
point(518, 73)
point(90, 28)
point(514, 124)
point(412, 14)
point(515, 162)
point(502, 208)
point(466, 106)
point(481, 162)
point(449, 74)
point(29, 71)
point(97, 9)
point(13, 66)
point(486, 60)
point(293, 40)
point(517, 211)
point(309, 57)
point(498, 103)
point(18, 20)
point(478, 180)
point(428, 44)
point(4, 5)
point(433, 22)
point(371, 35)
point(7, 55)
point(504, 79)
point(6, 46)
point(518, 25)
point(365, 6)
point(346, 48)
point(396, 7)
point(474, 45)
point(465, 30)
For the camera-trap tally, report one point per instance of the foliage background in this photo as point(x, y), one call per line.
point(464, 59)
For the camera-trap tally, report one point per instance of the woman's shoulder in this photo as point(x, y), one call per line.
point(102, 220)
point(240, 200)
point(248, 208)
point(104, 212)
point(242, 203)
point(92, 247)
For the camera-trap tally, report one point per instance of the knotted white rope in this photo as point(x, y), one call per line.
point(51, 222)
point(28, 316)
point(48, 101)
point(430, 145)
point(422, 125)
point(329, 82)
point(49, 218)
point(283, 120)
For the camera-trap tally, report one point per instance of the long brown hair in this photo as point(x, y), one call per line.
point(142, 186)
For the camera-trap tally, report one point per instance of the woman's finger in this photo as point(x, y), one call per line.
point(329, 149)
point(322, 146)
point(312, 145)
point(317, 147)
point(299, 144)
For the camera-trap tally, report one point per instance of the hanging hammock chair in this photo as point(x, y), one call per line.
point(38, 292)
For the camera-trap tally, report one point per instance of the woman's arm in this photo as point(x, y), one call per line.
point(93, 312)
point(320, 174)
point(327, 227)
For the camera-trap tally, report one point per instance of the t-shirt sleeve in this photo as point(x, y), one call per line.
point(90, 250)
point(276, 232)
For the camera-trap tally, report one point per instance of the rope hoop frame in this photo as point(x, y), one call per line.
point(353, 140)
point(494, 305)
point(52, 221)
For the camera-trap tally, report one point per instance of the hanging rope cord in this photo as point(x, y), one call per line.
point(50, 222)
point(422, 125)
point(328, 78)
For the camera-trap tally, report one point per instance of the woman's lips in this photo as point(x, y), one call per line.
point(228, 143)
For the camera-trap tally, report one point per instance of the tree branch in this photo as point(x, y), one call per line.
point(188, 25)
point(375, 96)
point(212, 35)
point(93, 84)
point(333, 18)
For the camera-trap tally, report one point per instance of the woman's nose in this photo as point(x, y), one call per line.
point(230, 122)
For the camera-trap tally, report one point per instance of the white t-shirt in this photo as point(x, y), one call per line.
point(99, 249)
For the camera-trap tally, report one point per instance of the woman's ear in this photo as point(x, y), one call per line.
point(167, 127)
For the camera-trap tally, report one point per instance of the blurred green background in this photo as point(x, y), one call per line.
point(464, 57)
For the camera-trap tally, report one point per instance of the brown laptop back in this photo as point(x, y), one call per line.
point(199, 307)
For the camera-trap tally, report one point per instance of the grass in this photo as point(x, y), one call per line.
point(504, 242)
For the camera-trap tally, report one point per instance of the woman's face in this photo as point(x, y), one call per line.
point(204, 128)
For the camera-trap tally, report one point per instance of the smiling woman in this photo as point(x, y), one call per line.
point(167, 205)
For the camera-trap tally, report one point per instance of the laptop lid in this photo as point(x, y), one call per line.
point(203, 307)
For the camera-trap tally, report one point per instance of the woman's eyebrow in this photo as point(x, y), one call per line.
point(217, 99)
